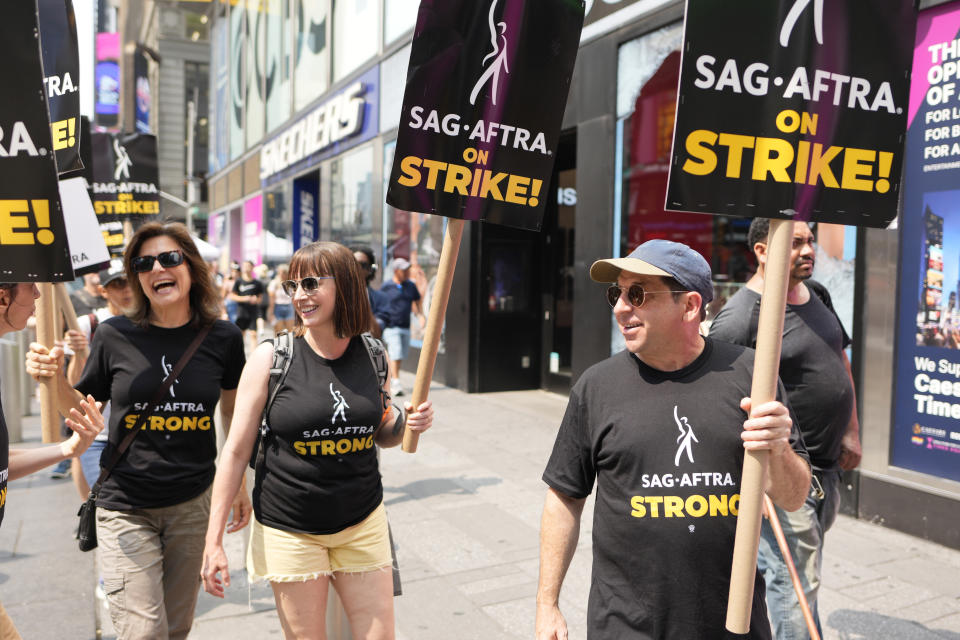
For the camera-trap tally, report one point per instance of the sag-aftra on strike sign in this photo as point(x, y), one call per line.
point(793, 108)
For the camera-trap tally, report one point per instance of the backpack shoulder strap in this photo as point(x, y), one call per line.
point(378, 359)
point(280, 365)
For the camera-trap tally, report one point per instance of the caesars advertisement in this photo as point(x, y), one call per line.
point(926, 433)
point(793, 108)
point(486, 89)
point(33, 238)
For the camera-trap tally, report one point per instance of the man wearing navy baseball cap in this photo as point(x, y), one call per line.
point(661, 428)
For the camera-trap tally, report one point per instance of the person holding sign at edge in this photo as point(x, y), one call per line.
point(816, 373)
point(16, 307)
point(152, 508)
point(318, 499)
point(661, 428)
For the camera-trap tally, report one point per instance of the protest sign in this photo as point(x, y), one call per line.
point(125, 177)
point(479, 126)
point(61, 64)
point(793, 106)
point(33, 239)
point(486, 89)
point(87, 246)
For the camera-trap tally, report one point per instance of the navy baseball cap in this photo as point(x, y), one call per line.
point(113, 272)
point(660, 258)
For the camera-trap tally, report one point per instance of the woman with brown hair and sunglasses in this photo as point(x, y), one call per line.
point(318, 498)
point(153, 507)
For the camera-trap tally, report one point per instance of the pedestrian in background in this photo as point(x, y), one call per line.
point(153, 507)
point(226, 292)
point(119, 296)
point(247, 292)
point(378, 302)
point(281, 305)
point(402, 297)
point(816, 373)
point(17, 305)
point(318, 498)
point(88, 298)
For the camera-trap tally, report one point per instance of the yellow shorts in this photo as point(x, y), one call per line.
point(283, 556)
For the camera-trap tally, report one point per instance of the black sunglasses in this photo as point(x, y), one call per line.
point(310, 283)
point(167, 260)
point(635, 294)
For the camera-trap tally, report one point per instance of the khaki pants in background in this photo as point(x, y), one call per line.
point(7, 630)
point(151, 561)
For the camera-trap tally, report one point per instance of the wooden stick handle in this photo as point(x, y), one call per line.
point(66, 306)
point(434, 328)
point(771, 513)
point(46, 328)
point(763, 389)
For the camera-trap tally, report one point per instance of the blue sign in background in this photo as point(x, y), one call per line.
point(306, 210)
point(926, 430)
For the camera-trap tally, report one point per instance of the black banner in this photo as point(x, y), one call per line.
point(486, 89)
point(61, 64)
point(125, 177)
point(793, 109)
point(33, 238)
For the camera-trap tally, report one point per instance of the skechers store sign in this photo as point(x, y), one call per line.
point(343, 121)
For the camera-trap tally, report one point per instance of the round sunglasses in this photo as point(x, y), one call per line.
point(308, 284)
point(636, 294)
point(167, 260)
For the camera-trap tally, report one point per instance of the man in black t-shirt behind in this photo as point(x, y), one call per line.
point(816, 373)
point(247, 293)
point(661, 428)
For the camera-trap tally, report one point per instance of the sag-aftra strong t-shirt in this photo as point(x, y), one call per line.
point(666, 454)
point(172, 459)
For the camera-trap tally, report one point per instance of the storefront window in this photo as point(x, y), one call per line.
point(256, 33)
point(399, 16)
point(311, 76)
point(277, 226)
point(356, 41)
point(418, 237)
point(350, 197)
point(278, 68)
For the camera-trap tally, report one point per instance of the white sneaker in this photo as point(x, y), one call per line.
point(395, 387)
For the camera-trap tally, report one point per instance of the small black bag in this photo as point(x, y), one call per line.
point(87, 528)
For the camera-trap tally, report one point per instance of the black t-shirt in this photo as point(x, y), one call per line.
point(248, 288)
point(320, 473)
point(811, 364)
point(4, 461)
point(172, 459)
point(666, 453)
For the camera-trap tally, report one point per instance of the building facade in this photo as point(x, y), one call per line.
point(305, 105)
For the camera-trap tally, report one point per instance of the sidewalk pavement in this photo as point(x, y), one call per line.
point(465, 513)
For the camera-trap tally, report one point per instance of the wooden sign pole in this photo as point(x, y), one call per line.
point(771, 513)
point(46, 327)
point(65, 306)
point(763, 389)
point(438, 310)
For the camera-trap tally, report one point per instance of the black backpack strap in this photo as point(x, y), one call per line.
point(282, 357)
point(378, 359)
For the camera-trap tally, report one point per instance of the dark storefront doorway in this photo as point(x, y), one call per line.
point(524, 294)
point(557, 275)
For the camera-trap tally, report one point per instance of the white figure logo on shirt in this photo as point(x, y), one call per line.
point(686, 437)
point(339, 405)
point(167, 370)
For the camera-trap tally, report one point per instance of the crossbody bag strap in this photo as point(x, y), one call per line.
point(164, 387)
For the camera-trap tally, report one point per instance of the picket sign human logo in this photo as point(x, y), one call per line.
point(121, 161)
point(491, 74)
point(794, 15)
